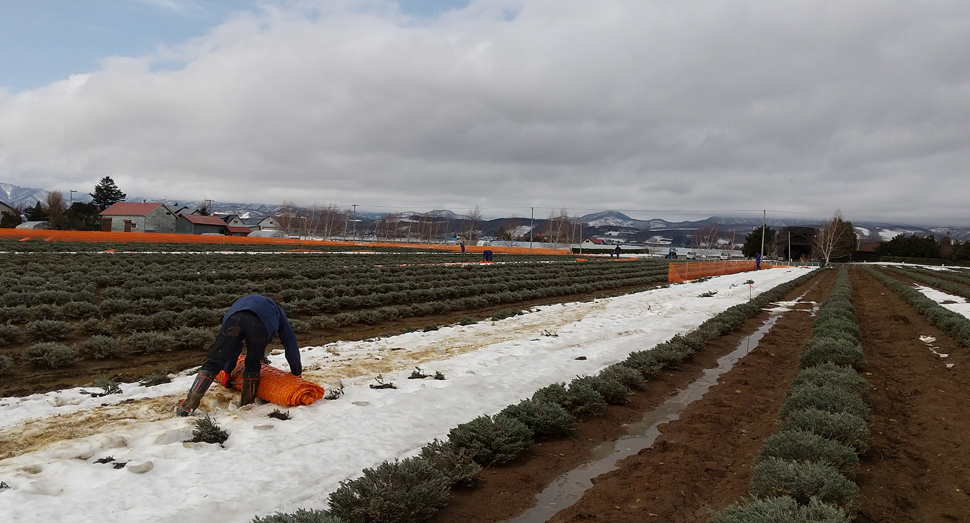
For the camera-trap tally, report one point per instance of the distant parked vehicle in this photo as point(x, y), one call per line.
point(725, 256)
point(691, 255)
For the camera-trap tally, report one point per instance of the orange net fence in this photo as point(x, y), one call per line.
point(277, 386)
point(685, 271)
point(294, 243)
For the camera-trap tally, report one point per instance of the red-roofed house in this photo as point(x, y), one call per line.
point(138, 217)
point(196, 224)
point(239, 230)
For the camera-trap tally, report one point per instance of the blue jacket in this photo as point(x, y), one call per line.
point(274, 319)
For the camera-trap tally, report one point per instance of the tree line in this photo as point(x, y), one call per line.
point(78, 216)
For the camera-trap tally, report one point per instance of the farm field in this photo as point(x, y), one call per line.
point(700, 462)
point(68, 318)
point(53, 441)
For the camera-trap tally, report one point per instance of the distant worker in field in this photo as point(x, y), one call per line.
point(487, 255)
point(463, 247)
point(757, 261)
point(617, 251)
point(254, 319)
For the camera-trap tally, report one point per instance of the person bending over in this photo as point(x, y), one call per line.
point(254, 319)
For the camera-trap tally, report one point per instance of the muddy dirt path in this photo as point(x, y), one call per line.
point(698, 462)
point(918, 469)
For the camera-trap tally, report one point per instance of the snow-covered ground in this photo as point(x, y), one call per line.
point(53, 440)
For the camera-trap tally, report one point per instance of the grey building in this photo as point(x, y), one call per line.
point(197, 224)
point(138, 217)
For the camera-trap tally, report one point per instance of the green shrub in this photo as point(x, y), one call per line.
point(829, 399)
point(831, 324)
point(9, 334)
point(299, 326)
point(582, 400)
point(77, 310)
point(546, 419)
point(555, 393)
point(49, 330)
point(93, 326)
point(492, 441)
point(127, 322)
point(467, 320)
point(100, 347)
point(200, 317)
point(42, 312)
point(407, 490)
point(15, 314)
point(832, 375)
point(627, 376)
point(506, 313)
point(7, 365)
point(187, 338)
point(147, 342)
point(842, 350)
point(300, 516)
point(208, 431)
point(456, 464)
point(165, 320)
point(782, 509)
point(155, 378)
point(111, 306)
point(645, 362)
point(801, 445)
point(803, 480)
point(51, 355)
point(612, 391)
point(430, 327)
point(323, 322)
point(845, 428)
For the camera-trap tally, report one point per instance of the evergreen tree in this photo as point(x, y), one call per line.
point(35, 213)
point(752, 242)
point(106, 194)
point(82, 217)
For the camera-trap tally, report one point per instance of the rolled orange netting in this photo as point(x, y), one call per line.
point(277, 386)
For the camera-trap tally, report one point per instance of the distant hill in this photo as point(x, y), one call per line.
point(599, 223)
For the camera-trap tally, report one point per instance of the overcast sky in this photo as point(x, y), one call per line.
point(658, 108)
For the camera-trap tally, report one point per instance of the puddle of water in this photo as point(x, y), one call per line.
point(570, 487)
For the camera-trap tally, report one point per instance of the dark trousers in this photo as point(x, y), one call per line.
point(241, 326)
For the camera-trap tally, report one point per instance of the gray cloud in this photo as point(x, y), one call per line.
point(796, 107)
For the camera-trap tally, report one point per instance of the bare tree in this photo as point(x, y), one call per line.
point(558, 228)
point(470, 234)
point(835, 238)
point(54, 204)
point(287, 218)
point(388, 227)
point(328, 221)
point(508, 231)
point(706, 237)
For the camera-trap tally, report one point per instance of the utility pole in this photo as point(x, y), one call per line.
point(764, 225)
point(532, 225)
point(355, 220)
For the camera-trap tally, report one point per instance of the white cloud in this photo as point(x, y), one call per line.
point(802, 108)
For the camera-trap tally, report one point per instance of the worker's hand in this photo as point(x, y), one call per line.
point(223, 379)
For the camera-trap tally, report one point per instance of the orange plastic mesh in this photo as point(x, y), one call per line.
point(681, 272)
point(277, 386)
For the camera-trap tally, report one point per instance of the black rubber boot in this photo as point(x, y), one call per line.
point(250, 384)
point(199, 386)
